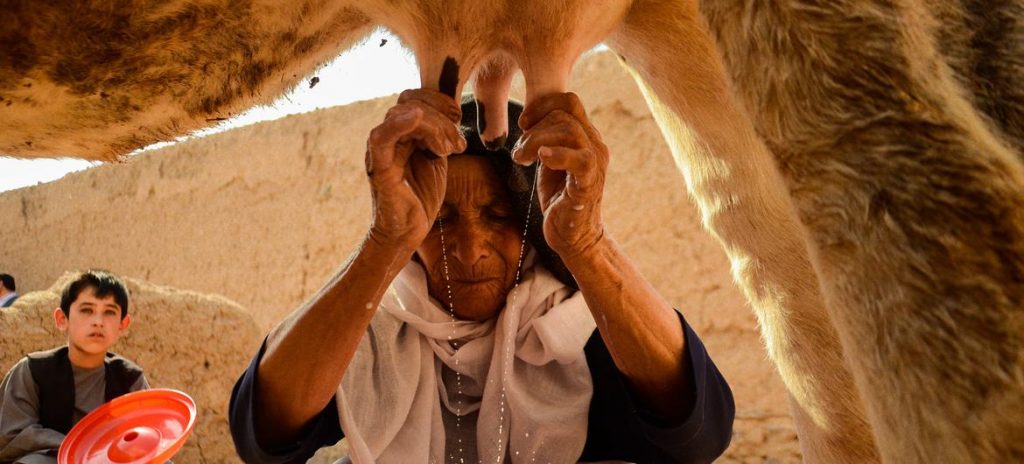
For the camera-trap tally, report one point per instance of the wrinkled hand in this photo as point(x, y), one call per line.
point(574, 161)
point(407, 165)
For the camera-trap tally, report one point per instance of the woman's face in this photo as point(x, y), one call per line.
point(482, 237)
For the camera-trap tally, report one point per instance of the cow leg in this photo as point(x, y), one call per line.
point(745, 204)
point(983, 41)
point(914, 210)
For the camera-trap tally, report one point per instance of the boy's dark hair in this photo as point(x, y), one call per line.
point(8, 281)
point(103, 284)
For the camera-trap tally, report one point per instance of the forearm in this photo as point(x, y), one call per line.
point(307, 354)
point(32, 439)
point(640, 329)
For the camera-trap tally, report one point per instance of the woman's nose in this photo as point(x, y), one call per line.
point(471, 244)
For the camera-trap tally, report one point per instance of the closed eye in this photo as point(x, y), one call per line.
point(500, 214)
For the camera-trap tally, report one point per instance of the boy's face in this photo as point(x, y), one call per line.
point(92, 324)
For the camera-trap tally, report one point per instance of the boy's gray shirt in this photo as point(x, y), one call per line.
point(22, 439)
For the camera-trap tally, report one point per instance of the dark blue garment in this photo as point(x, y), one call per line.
point(618, 428)
point(10, 301)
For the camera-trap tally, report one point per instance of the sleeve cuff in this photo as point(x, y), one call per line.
point(710, 417)
point(323, 430)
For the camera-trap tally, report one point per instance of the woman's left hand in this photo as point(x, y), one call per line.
point(574, 161)
point(640, 329)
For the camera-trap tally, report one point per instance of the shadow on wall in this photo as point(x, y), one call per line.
point(184, 340)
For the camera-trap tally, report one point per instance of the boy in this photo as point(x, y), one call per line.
point(46, 393)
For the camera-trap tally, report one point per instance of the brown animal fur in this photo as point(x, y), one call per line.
point(913, 206)
point(859, 164)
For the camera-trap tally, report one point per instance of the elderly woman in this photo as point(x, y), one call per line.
point(463, 328)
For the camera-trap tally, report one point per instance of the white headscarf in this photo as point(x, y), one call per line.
point(390, 399)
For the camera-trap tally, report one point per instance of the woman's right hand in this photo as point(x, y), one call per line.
point(407, 165)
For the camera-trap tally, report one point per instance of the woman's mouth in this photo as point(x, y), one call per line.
point(475, 280)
